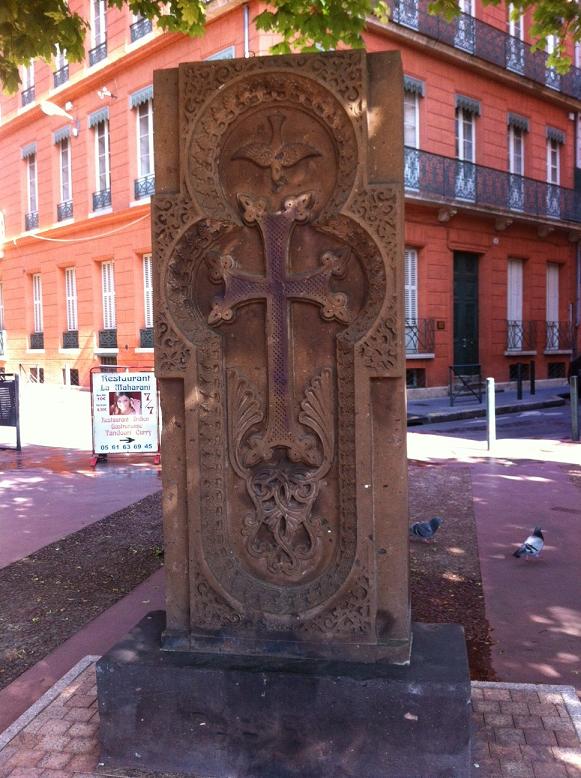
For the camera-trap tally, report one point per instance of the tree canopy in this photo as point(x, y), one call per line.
point(31, 28)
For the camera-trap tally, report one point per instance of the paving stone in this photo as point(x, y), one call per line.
point(26, 758)
point(25, 772)
point(54, 727)
point(509, 753)
point(53, 742)
point(570, 756)
point(26, 740)
point(562, 711)
point(477, 694)
point(573, 772)
point(507, 736)
point(55, 761)
point(79, 714)
point(82, 729)
point(540, 737)
point(486, 706)
point(537, 753)
point(498, 719)
point(496, 694)
point(556, 698)
point(519, 695)
point(528, 722)
point(557, 723)
point(83, 763)
point(517, 769)
point(542, 709)
point(514, 707)
point(568, 739)
point(546, 770)
point(84, 745)
point(480, 750)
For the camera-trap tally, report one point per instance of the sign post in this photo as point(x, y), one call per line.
point(124, 408)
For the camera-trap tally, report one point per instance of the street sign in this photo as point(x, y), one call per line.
point(125, 412)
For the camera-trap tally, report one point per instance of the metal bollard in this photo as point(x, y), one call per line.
point(519, 381)
point(532, 376)
point(574, 396)
point(490, 414)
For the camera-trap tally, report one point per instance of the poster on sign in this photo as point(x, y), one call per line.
point(125, 413)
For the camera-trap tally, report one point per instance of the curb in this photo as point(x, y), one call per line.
point(475, 413)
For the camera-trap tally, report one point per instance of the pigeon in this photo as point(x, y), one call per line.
point(532, 546)
point(426, 529)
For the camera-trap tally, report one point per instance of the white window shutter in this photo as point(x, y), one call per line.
point(108, 285)
point(515, 290)
point(552, 291)
point(71, 295)
point(411, 283)
point(1, 308)
point(147, 290)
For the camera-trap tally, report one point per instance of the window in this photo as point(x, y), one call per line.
point(466, 154)
point(61, 66)
point(140, 27)
point(70, 376)
point(65, 170)
point(464, 37)
point(37, 375)
point(37, 302)
point(108, 289)
point(553, 177)
point(411, 120)
point(71, 298)
point(411, 300)
point(514, 301)
point(27, 83)
point(552, 78)
point(515, 48)
point(98, 23)
point(32, 184)
point(516, 167)
point(413, 90)
point(228, 53)
point(147, 291)
point(102, 197)
point(552, 306)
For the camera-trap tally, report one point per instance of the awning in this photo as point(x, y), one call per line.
point(413, 86)
point(140, 97)
point(102, 115)
point(64, 133)
point(520, 122)
point(554, 134)
point(468, 104)
point(28, 151)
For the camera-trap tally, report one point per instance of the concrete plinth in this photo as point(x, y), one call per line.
point(218, 716)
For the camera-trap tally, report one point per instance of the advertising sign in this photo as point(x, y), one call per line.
point(125, 413)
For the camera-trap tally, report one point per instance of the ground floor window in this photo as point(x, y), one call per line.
point(416, 377)
point(556, 370)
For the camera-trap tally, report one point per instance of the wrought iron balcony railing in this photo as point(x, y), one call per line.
point(101, 199)
point(98, 53)
point(64, 210)
point(419, 336)
point(71, 339)
point(37, 340)
point(140, 29)
point(437, 178)
point(486, 42)
point(27, 95)
point(2, 343)
point(108, 338)
point(559, 336)
point(521, 335)
point(31, 220)
point(144, 187)
point(146, 337)
point(61, 76)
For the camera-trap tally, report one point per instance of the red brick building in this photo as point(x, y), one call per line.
point(492, 216)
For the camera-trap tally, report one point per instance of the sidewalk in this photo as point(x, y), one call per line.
point(431, 410)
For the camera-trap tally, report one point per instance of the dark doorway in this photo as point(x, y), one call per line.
point(465, 308)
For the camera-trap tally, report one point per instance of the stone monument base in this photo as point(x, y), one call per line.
point(214, 716)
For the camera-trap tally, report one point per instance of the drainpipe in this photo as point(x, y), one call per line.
point(246, 23)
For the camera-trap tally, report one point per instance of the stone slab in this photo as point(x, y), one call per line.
point(220, 716)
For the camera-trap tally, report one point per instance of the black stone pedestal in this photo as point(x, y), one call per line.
point(240, 717)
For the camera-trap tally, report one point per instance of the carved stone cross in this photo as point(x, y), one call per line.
point(278, 287)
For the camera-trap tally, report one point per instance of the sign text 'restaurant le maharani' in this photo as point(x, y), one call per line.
point(125, 413)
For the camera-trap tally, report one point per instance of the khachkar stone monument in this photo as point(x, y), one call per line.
point(286, 644)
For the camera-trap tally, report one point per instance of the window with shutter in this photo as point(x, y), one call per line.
point(147, 291)
point(32, 184)
point(37, 301)
point(552, 291)
point(66, 179)
point(1, 308)
point(71, 297)
point(145, 139)
point(515, 290)
point(108, 287)
point(411, 283)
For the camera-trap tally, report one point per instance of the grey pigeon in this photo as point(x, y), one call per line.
point(532, 546)
point(426, 529)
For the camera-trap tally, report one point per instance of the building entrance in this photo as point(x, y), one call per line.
point(465, 309)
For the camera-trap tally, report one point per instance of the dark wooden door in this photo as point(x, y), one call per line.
point(465, 308)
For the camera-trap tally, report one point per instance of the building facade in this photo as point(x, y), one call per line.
point(493, 218)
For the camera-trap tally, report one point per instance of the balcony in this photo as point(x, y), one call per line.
point(60, 76)
point(419, 336)
point(445, 179)
point(31, 220)
point(108, 338)
point(98, 53)
point(64, 210)
point(485, 42)
point(146, 337)
point(101, 199)
point(71, 339)
point(559, 336)
point(144, 187)
point(140, 29)
point(27, 95)
point(521, 336)
point(37, 340)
